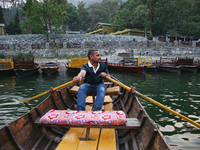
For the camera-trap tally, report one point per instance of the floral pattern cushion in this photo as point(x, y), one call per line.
point(69, 117)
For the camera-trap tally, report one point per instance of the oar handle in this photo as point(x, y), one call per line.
point(156, 103)
point(54, 89)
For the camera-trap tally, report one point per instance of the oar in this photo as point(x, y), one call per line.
point(54, 89)
point(156, 103)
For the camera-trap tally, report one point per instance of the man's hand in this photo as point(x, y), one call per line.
point(77, 79)
point(80, 76)
point(103, 75)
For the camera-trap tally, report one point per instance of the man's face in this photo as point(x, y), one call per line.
point(96, 57)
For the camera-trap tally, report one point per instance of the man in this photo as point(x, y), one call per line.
point(94, 71)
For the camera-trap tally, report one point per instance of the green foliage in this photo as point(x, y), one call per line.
point(103, 12)
point(72, 22)
point(23, 55)
point(43, 16)
point(2, 56)
point(17, 24)
point(2, 20)
point(10, 29)
point(14, 26)
point(180, 17)
point(83, 15)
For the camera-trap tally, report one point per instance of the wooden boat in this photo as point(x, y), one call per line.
point(187, 64)
point(168, 64)
point(26, 133)
point(6, 67)
point(49, 67)
point(126, 67)
point(139, 65)
point(75, 64)
point(24, 67)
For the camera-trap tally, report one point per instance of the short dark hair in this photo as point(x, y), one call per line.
point(91, 52)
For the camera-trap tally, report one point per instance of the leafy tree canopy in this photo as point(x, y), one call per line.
point(43, 16)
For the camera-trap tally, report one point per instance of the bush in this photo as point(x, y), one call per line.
point(23, 55)
point(2, 56)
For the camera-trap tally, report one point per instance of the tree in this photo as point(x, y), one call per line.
point(72, 22)
point(10, 29)
point(124, 16)
point(2, 20)
point(103, 12)
point(83, 15)
point(42, 16)
point(17, 23)
point(140, 16)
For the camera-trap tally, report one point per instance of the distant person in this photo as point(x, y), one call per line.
point(94, 71)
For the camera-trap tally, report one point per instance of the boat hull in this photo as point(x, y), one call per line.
point(120, 67)
point(74, 69)
point(49, 68)
point(6, 72)
point(174, 69)
point(188, 68)
point(152, 68)
point(23, 133)
point(25, 72)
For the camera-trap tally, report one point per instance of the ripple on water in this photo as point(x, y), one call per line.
point(167, 128)
point(186, 141)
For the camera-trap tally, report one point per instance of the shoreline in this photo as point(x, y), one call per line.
point(113, 58)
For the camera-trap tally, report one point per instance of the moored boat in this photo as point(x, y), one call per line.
point(126, 67)
point(139, 65)
point(168, 64)
point(75, 64)
point(49, 67)
point(25, 133)
point(187, 64)
point(6, 67)
point(24, 67)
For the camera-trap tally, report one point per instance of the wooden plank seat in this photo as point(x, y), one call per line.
point(110, 91)
point(91, 98)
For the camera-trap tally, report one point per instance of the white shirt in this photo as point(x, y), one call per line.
point(90, 65)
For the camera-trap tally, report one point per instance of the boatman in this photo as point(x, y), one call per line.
point(94, 71)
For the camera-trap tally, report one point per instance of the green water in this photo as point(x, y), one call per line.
point(178, 92)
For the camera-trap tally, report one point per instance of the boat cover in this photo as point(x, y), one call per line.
point(69, 117)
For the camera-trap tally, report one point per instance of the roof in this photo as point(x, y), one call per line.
point(95, 31)
point(2, 25)
point(128, 30)
point(106, 24)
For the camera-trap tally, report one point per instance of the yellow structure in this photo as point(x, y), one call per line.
point(103, 28)
point(133, 32)
point(145, 61)
point(6, 64)
point(2, 29)
point(77, 62)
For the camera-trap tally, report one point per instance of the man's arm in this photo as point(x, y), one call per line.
point(103, 75)
point(80, 76)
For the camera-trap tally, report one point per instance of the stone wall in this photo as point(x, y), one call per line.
point(79, 44)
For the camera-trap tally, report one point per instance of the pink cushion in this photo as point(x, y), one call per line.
point(69, 117)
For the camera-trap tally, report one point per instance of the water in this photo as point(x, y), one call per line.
point(178, 92)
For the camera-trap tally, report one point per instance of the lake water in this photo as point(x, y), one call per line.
point(180, 92)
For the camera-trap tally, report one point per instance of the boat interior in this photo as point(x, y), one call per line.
point(139, 133)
